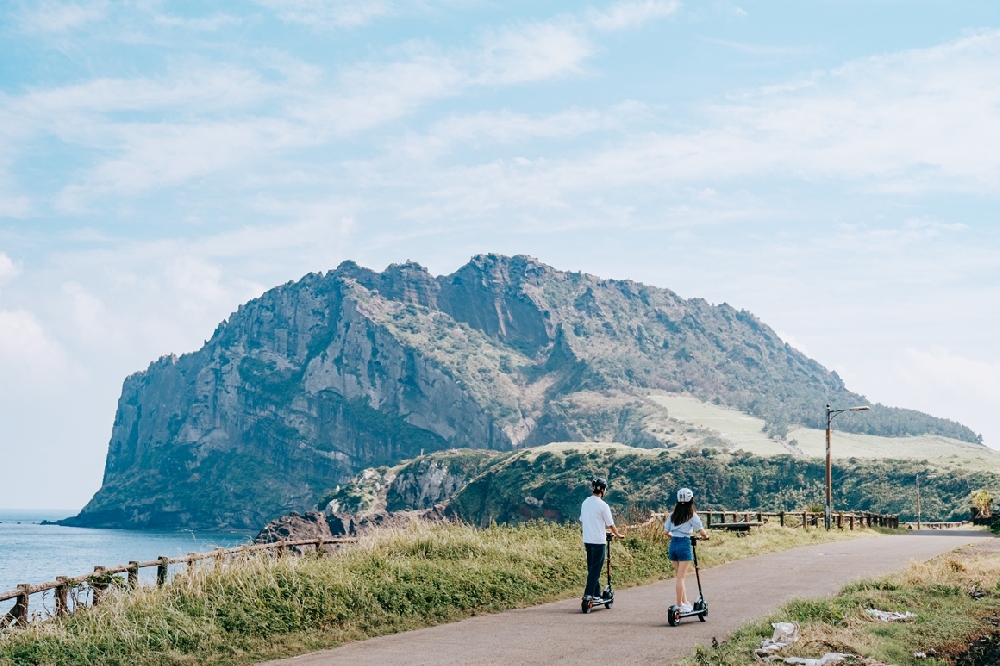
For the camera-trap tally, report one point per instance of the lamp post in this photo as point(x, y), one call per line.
point(830, 413)
point(926, 476)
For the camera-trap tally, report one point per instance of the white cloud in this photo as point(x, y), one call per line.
point(489, 128)
point(937, 380)
point(26, 349)
point(204, 24)
point(919, 121)
point(950, 372)
point(532, 52)
point(628, 15)
point(8, 270)
point(370, 95)
point(328, 13)
point(58, 17)
point(158, 155)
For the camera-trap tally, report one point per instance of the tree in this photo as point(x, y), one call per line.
point(982, 501)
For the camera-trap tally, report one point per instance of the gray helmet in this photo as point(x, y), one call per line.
point(599, 484)
point(685, 495)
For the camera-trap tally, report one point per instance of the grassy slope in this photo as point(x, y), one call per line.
point(747, 432)
point(394, 581)
point(939, 591)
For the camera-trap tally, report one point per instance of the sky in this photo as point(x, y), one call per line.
point(831, 166)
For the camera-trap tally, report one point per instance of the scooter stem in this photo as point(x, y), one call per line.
point(610, 538)
point(697, 571)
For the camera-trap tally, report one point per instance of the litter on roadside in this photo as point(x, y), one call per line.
point(891, 616)
point(785, 633)
point(828, 659)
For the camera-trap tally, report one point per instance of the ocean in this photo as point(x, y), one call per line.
point(34, 553)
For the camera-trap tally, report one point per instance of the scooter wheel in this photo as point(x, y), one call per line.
point(607, 604)
point(703, 616)
point(586, 605)
point(673, 616)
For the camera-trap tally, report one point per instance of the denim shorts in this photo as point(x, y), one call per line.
point(680, 549)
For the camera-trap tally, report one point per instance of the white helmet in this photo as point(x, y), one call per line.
point(685, 495)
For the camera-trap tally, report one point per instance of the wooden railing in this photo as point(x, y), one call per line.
point(804, 519)
point(937, 525)
point(104, 577)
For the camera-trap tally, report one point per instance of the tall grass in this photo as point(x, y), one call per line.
point(956, 597)
point(262, 607)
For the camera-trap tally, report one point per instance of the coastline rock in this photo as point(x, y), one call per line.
point(296, 527)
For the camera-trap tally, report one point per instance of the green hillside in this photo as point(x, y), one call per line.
point(550, 482)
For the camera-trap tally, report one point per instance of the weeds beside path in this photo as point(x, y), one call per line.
point(956, 597)
point(394, 581)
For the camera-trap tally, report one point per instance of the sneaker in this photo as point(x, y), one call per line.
point(686, 608)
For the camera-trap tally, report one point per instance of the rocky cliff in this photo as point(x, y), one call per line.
point(317, 379)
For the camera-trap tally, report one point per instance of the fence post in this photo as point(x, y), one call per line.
point(98, 584)
point(840, 520)
point(709, 516)
point(162, 570)
point(319, 545)
point(781, 517)
point(133, 574)
point(220, 553)
point(805, 519)
point(62, 596)
point(191, 560)
point(851, 520)
point(19, 613)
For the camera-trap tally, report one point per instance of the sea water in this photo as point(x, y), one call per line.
point(34, 553)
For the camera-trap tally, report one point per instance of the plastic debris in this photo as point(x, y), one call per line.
point(785, 633)
point(891, 616)
point(828, 659)
point(919, 655)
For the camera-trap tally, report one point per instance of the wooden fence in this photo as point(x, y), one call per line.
point(104, 577)
point(804, 519)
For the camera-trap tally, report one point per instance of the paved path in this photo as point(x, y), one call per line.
point(635, 631)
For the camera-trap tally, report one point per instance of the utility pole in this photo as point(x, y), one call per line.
point(926, 476)
point(830, 413)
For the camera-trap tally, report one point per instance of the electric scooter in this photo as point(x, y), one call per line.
point(608, 595)
point(700, 606)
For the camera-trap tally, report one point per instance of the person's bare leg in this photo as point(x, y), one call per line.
point(681, 569)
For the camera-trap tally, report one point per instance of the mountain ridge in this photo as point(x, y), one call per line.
point(321, 377)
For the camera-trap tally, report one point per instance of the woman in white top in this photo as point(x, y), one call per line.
point(681, 526)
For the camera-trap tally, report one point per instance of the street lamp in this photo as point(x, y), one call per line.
point(830, 413)
point(926, 476)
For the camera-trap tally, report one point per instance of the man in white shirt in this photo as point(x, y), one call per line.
point(595, 514)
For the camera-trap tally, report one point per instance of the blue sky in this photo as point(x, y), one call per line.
point(831, 166)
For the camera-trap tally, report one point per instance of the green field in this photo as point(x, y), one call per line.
point(746, 432)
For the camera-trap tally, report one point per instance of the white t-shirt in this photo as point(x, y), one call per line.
point(595, 514)
point(684, 529)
